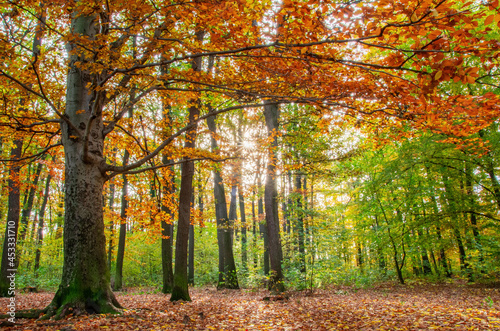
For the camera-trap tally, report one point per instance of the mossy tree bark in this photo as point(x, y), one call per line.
point(85, 286)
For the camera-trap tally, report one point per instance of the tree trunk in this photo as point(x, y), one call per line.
point(276, 284)
point(191, 250)
point(262, 224)
point(180, 289)
point(41, 217)
point(227, 268)
point(244, 257)
point(111, 228)
point(7, 272)
point(118, 281)
point(27, 208)
point(167, 229)
point(85, 277)
point(299, 224)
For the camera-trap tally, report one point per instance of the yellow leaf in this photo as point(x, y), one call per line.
point(414, 17)
point(438, 75)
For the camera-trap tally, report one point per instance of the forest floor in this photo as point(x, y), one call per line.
point(381, 307)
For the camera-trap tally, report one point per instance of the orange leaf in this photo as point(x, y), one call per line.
point(489, 20)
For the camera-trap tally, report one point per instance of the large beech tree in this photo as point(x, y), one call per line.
point(345, 59)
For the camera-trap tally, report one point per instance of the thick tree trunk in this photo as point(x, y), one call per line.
point(227, 268)
point(276, 284)
point(85, 277)
point(7, 272)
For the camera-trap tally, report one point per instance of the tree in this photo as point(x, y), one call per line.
point(323, 58)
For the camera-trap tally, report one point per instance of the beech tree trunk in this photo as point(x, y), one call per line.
point(227, 268)
point(27, 208)
point(191, 249)
point(180, 289)
point(299, 224)
point(271, 113)
point(85, 283)
point(118, 281)
point(41, 219)
point(167, 230)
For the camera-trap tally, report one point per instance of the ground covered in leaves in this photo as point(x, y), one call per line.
point(383, 307)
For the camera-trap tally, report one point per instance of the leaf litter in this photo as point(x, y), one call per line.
point(383, 307)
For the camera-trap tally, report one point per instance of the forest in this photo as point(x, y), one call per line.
point(284, 153)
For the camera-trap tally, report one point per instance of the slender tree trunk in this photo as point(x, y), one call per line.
point(11, 229)
point(180, 289)
point(426, 265)
point(472, 217)
point(262, 224)
point(299, 222)
point(450, 197)
point(111, 205)
point(276, 284)
point(167, 205)
point(244, 254)
point(41, 219)
point(254, 232)
point(118, 282)
point(167, 229)
point(227, 267)
point(232, 212)
point(28, 207)
point(191, 250)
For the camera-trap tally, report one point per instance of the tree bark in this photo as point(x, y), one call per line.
point(299, 224)
point(28, 207)
point(118, 281)
point(276, 284)
point(85, 277)
point(41, 219)
point(227, 267)
point(167, 229)
point(7, 272)
point(180, 289)
point(244, 256)
point(191, 250)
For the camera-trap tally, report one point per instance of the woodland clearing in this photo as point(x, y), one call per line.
point(383, 307)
